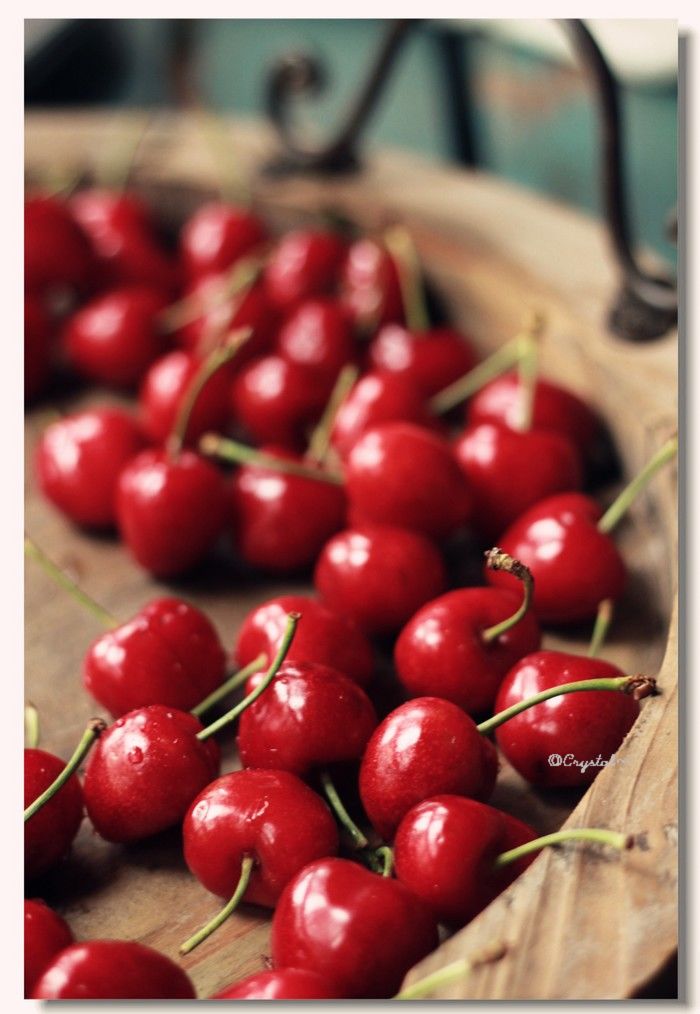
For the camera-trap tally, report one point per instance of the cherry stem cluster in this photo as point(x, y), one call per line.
point(95, 728)
point(235, 680)
point(496, 559)
point(624, 500)
point(61, 578)
point(216, 446)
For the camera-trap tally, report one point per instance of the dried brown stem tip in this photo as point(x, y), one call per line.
point(496, 559)
point(97, 726)
point(640, 687)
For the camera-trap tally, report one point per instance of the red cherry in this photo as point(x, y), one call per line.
point(379, 575)
point(322, 636)
point(249, 308)
point(144, 772)
point(164, 387)
point(311, 716)
point(113, 970)
point(278, 401)
point(423, 748)
point(579, 728)
point(377, 398)
point(400, 474)
point(318, 335)
point(56, 254)
point(45, 934)
point(432, 359)
point(48, 835)
point(509, 471)
point(574, 565)
point(305, 263)
point(217, 235)
point(170, 510)
point(370, 286)
point(78, 461)
point(168, 654)
point(114, 338)
point(38, 334)
point(355, 928)
point(281, 984)
point(445, 850)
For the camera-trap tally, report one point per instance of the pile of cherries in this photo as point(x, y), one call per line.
point(298, 412)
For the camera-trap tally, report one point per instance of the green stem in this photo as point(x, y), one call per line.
point(419, 989)
point(236, 283)
point(595, 834)
point(31, 726)
point(95, 728)
point(235, 680)
point(320, 441)
point(232, 715)
point(336, 804)
point(624, 500)
point(498, 362)
point(496, 559)
point(234, 452)
point(32, 550)
point(400, 245)
point(226, 911)
point(637, 686)
point(527, 369)
point(386, 856)
point(600, 628)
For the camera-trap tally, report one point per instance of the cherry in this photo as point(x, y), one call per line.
point(220, 310)
point(78, 461)
point(113, 970)
point(114, 338)
point(281, 984)
point(305, 263)
point(217, 235)
point(400, 474)
point(379, 575)
point(359, 930)
point(377, 398)
point(165, 386)
point(38, 334)
point(322, 636)
point(49, 833)
point(56, 254)
point(370, 286)
point(432, 359)
point(45, 934)
point(277, 401)
point(318, 335)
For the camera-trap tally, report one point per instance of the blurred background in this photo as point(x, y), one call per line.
point(505, 96)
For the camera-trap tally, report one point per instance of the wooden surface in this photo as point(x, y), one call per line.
point(578, 924)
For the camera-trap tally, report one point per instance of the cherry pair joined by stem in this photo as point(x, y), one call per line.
point(45, 934)
point(305, 263)
point(217, 235)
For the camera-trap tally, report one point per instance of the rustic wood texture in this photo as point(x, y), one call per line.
point(578, 924)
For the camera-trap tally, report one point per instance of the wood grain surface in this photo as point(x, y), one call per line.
point(579, 924)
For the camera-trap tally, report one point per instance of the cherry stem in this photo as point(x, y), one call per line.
point(636, 686)
point(61, 578)
point(400, 245)
point(214, 445)
point(500, 361)
point(600, 627)
point(496, 559)
point(235, 680)
point(625, 499)
point(95, 728)
point(241, 887)
point(386, 856)
point(320, 442)
point(232, 715)
point(527, 369)
point(217, 358)
point(614, 839)
point(456, 970)
point(236, 282)
point(356, 836)
point(31, 726)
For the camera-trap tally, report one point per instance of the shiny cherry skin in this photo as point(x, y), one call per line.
point(370, 286)
point(221, 316)
point(379, 575)
point(574, 565)
point(56, 253)
point(169, 654)
point(509, 471)
point(163, 389)
point(577, 727)
point(38, 351)
point(145, 770)
point(282, 521)
point(78, 461)
point(113, 970)
point(444, 853)
point(400, 474)
point(322, 636)
point(170, 510)
point(359, 930)
point(45, 934)
point(377, 398)
point(217, 235)
point(305, 263)
point(318, 335)
point(425, 747)
point(277, 401)
point(114, 338)
point(310, 716)
point(49, 834)
point(269, 816)
point(432, 359)
point(441, 650)
point(281, 984)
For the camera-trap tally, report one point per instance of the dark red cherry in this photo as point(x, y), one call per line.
point(278, 402)
point(423, 748)
point(370, 286)
point(164, 388)
point(38, 351)
point(221, 315)
point(584, 730)
point(113, 970)
point(144, 772)
point(318, 335)
point(45, 934)
point(305, 263)
point(217, 235)
point(432, 359)
point(114, 338)
point(170, 510)
point(379, 575)
point(359, 930)
point(56, 254)
point(377, 398)
point(400, 474)
point(168, 654)
point(49, 834)
point(509, 471)
point(281, 984)
point(322, 636)
point(78, 461)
